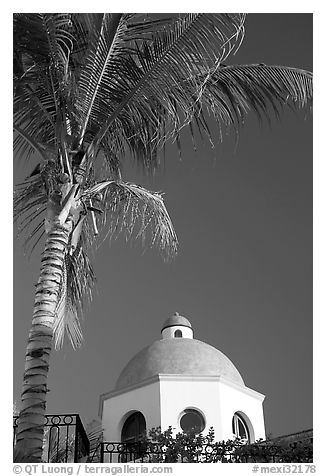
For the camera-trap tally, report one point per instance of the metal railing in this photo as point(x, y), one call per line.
point(117, 452)
point(65, 439)
point(142, 452)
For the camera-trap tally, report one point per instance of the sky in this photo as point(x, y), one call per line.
point(243, 274)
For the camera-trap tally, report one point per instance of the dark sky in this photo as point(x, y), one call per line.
point(243, 275)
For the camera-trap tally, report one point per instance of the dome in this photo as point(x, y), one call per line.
point(178, 356)
point(176, 320)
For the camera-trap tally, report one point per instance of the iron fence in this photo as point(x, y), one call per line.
point(65, 439)
point(149, 452)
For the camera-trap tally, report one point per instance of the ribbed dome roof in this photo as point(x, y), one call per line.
point(178, 356)
point(176, 320)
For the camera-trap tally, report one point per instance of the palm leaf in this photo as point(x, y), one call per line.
point(94, 432)
point(232, 91)
point(31, 142)
point(30, 201)
point(105, 39)
point(135, 212)
point(153, 69)
point(43, 84)
point(75, 292)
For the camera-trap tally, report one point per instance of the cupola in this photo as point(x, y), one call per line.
point(177, 326)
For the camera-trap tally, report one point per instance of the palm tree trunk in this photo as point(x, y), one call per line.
point(31, 419)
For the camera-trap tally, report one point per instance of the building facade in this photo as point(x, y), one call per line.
point(184, 383)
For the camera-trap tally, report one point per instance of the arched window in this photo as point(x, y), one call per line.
point(134, 427)
point(240, 428)
point(178, 333)
point(192, 421)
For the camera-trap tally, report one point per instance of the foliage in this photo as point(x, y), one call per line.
point(198, 448)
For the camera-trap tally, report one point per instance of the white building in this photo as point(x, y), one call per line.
point(181, 382)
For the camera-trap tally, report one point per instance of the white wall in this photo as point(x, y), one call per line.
point(245, 401)
point(215, 399)
point(163, 401)
point(179, 393)
point(117, 408)
point(168, 332)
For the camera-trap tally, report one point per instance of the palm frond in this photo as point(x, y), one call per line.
point(43, 84)
point(105, 39)
point(30, 201)
point(145, 80)
point(109, 41)
point(75, 292)
point(135, 212)
point(41, 35)
point(94, 432)
point(34, 114)
point(232, 91)
point(31, 142)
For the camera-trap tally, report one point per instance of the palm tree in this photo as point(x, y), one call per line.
point(90, 89)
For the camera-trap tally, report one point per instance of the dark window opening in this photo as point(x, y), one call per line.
point(133, 430)
point(178, 333)
point(192, 421)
